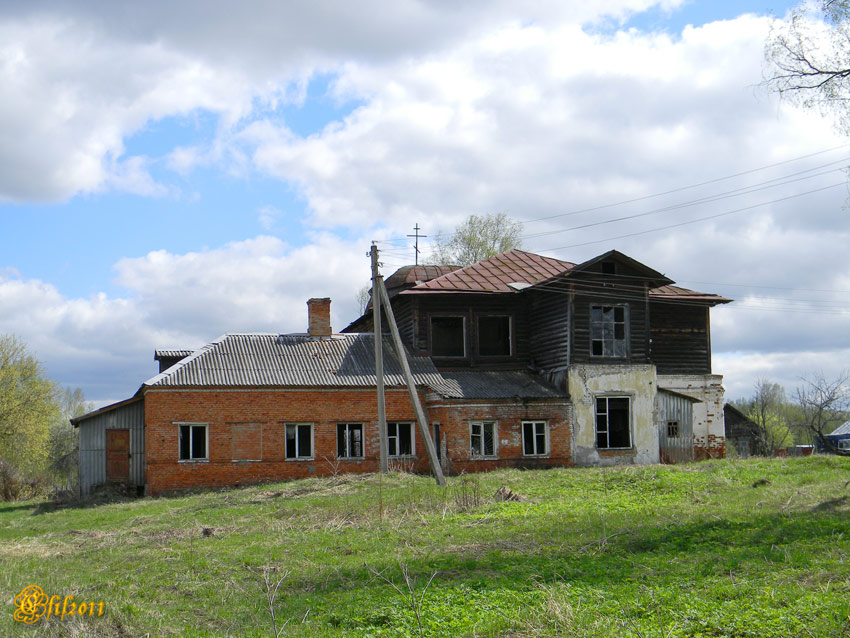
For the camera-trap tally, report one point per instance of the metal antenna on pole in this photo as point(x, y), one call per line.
point(416, 229)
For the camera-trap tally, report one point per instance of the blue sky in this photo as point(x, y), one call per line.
point(167, 177)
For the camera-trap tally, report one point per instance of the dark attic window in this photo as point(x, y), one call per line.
point(447, 337)
point(494, 336)
point(609, 268)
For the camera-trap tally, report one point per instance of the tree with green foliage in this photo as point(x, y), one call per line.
point(768, 408)
point(477, 238)
point(28, 407)
point(809, 58)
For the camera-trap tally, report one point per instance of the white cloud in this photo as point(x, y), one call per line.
point(106, 344)
point(464, 108)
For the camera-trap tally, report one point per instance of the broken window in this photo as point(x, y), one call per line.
point(534, 438)
point(299, 440)
point(193, 442)
point(400, 439)
point(608, 331)
point(613, 423)
point(494, 336)
point(349, 440)
point(448, 337)
point(482, 438)
point(672, 429)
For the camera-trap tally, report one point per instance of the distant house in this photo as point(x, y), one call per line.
point(519, 360)
point(839, 437)
point(742, 433)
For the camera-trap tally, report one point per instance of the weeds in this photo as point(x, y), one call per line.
point(413, 599)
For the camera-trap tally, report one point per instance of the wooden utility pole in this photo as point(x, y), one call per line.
point(378, 282)
point(401, 353)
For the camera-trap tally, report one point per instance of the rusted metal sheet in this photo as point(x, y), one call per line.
point(494, 274)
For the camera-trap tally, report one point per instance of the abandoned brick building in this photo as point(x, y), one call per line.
point(519, 360)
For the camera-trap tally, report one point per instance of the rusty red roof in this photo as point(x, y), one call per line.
point(494, 274)
point(414, 274)
point(675, 293)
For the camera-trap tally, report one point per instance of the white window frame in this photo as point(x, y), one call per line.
point(431, 335)
point(482, 423)
point(843, 444)
point(626, 338)
point(409, 424)
point(534, 423)
point(596, 414)
point(478, 319)
point(347, 425)
point(200, 459)
point(298, 456)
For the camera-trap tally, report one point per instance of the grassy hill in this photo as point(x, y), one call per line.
point(722, 548)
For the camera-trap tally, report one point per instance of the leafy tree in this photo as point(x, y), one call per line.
point(28, 405)
point(809, 58)
point(477, 238)
point(768, 408)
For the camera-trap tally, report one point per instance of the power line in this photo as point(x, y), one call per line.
point(685, 223)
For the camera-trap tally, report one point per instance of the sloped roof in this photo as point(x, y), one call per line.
point(675, 293)
point(411, 275)
point(253, 359)
point(841, 430)
point(494, 274)
point(497, 384)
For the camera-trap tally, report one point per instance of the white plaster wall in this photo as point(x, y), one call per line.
point(708, 415)
point(635, 381)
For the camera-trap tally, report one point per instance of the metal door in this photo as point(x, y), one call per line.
point(118, 455)
point(675, 428)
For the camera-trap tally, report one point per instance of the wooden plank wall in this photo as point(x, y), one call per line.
point(680, 340)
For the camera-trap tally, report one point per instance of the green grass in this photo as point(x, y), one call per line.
point(721, 548)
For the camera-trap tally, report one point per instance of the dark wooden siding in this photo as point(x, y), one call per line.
point(680, 339)
point(471, 306)
point(549, 329)
point(403, 308)
point(588, 295)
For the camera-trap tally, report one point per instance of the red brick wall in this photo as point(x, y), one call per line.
point(713, 448)
point(221, 409)
point(454, 419)
point(269, 411)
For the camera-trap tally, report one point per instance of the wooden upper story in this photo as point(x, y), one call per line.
point(518, 310)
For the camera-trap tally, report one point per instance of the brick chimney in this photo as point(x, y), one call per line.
point(319, 316)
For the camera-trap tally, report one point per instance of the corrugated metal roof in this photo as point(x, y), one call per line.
point(494, 274)
point(496, 384)
point(841, 430)
point(171, 354)
point(251, 360)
